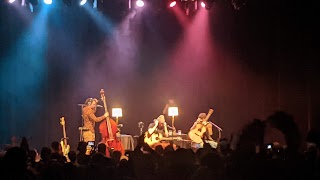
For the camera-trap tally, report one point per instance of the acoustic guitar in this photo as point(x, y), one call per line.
point(157, 137)
point(64, 144)
point(196, 134)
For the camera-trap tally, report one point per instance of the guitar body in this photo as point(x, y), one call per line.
point(114, 145)
point(65, 148)
point(104, 130)
point(153, 138)
point(196, 134)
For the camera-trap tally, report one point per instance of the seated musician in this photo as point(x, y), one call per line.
point(156, 131)
point(158, 126)
point(200, 122)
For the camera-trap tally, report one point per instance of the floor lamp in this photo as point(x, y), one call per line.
point(173, 111)
point(117, 112)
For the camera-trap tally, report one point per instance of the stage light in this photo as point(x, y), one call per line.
point(139, 3)
point(67, 2)
point(172, 3)
point(11, 1)
point(47, 1)
point(31, 7)
point(83, 2)
point(207, 4)
point(95, 4)
point(203, 4)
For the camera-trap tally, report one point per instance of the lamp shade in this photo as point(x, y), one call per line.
point(173, 111)
point(116, 112)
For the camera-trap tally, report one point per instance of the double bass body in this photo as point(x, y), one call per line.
point(108, 129)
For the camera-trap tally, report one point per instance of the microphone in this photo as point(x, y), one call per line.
point(140, 124)
point(170, 127)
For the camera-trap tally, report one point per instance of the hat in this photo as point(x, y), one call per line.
point(89, 101)
point(161, 119)
point(202, 115)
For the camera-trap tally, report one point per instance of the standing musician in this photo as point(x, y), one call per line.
point(89, 119)
point(206, 126)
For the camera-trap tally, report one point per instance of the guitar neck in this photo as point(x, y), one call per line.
point(105, 109)
point(168, 138)
point(107, 119)
point(208, 116)
point(105, 106)
point(64, 135)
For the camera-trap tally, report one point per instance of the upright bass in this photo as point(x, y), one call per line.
point(108, 130)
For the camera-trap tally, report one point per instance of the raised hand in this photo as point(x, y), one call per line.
point(156, 122)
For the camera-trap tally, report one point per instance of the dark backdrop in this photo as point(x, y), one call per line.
point(261, 59)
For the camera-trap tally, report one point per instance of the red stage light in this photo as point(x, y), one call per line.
point(173, 3)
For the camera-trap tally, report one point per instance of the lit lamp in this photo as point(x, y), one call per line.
point(117, 112)
point(173, 111)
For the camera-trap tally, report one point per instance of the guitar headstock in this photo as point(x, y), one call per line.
point(62, 122)
point(103, 97)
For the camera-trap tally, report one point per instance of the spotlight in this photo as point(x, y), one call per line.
point(31, 7)
point(207, 4)
point(47, 1)
point(67, 2)
point(139, 3)
point(172, 3)
point(203, 4)
point(95, 4)
point(83, 2)
point(11, 1)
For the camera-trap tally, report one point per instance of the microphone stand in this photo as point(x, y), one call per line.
point(172, 128)
point(217, 128)
point(82, 119)
point(141, 125)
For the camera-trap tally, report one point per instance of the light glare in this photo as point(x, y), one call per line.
point(203, 4)
point(82, 2)
point(116, 112)
point(48, 1)
point(139, 3)
point(173, 111)
point(173, 3)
